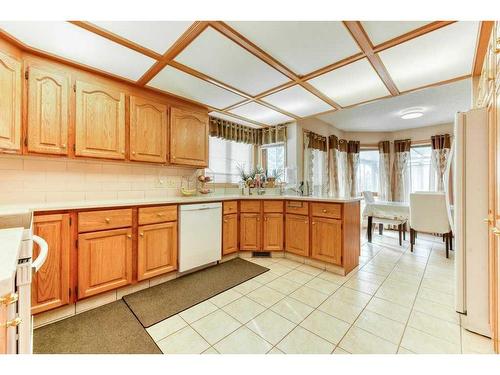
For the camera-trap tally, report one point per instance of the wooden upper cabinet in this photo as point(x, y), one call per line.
point(272, 233)
point(148, 130)
point(297, 234)
point(10, 104)
point(50, 285)
point(229, 234)
point(157, 250)
point(250, 231)
point(326, 240)
point(104, 261)
point(100, 122)
point(48, 111)
point(188, 137)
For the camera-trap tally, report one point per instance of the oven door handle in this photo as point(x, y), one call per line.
point(42, 256)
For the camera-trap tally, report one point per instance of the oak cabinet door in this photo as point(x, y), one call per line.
point(188, 138)
point(272, 236)
point(10, 104)
point(50, 285)
point(326, 240)
point(104, 261)
point(250, 232)
point(148, 130)
point(48, 112)
point(100, 122)
point(297, 234)
point(230, 234)
point(157, 250)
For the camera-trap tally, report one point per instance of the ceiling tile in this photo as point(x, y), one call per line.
point(218, 57)
point(298, 101)
point(437, 56)
point(303, 46)
point(382, 31)
point(260, 113)
point(157, 36)
point(179, 83)
point(223, 116)
point(72, 42)
point(351, 84)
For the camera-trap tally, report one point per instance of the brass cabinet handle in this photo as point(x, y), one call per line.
point(107, 220)
point(133, 152)
point(324, 211)
point(313, 223)
point(9, 299)
point(160, 214)
point(225, 221)
point(63, 145)
point(306, 222)
point(495, 231)
point(141, 234)
point(129, 236)
point(12, 323)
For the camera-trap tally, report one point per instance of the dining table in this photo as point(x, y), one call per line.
point(398, 211)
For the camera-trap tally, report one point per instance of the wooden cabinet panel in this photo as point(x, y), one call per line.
point(297, 207)
point(273, 206)
point(229, 234)
point(50, 285)
point(188, 137)
point(159, 214)
point(148, 130)
point(100, 122)
point(250, 231)
point(157, 250)
point(333, 210)
point(297, 234)
point(104, 261)
point(272, 234)
point(106, 219)
point(230, 207)
point(250, 206)
point(48, 111)
point(326, 240)
point(10, 104)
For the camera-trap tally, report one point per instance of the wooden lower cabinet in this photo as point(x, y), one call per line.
point(50, 287)
point(326, 240)
point(229, 234)
point(157, 250)
point(104, 261)
point(250, 231)
point(297, 234)
point(272, 233)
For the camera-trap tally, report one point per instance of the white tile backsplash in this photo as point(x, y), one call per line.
point(31, 179)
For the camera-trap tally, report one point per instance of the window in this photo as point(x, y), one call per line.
point(225, 157)
point(423, 176)
point(368, 171)
point(273, 158)
point(319, 172)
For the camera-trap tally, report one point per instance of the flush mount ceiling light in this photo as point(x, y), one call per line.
point(412, 113)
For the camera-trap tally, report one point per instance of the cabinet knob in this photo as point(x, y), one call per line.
point(324, 211)
point(313, 223)
point(63, 145)
point(141, 234)
point(306, 221)
point(9, 299)
point(160, 214)
point(129, 236)
point(225, 221)
point(133, 152)
point(107, 220)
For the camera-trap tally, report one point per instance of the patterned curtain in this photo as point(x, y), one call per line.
point(400, 176)
point(315, 164)
point(441, 144)
point(352, 167)
point(344, 186)
point(384, 165)
point(240, 133)
point(308, 163)
point(333, 167)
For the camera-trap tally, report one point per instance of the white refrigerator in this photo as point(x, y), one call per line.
point(470, 208)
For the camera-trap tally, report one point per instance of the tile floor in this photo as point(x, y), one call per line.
point(396, 302)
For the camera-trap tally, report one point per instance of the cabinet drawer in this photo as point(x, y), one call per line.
point(297, 207)
point(332, 210)
point(100, 220)
point(230, 207)
point(250, 206)
point(273, 206)
point(159, 214)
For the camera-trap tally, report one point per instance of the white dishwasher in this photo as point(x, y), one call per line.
point(200, 239)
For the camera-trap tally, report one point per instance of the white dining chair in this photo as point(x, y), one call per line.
point(429, 214)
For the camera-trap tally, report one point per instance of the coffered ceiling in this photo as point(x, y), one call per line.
point(261, 72)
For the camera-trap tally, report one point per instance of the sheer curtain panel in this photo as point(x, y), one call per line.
point(400, 176)
point(384, 162)
point(441, 144)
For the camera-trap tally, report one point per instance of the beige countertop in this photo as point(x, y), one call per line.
point(76, 205)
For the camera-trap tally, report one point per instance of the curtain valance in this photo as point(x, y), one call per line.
point(440, 141)
point(353, 147)
point(402, 145)
point(384, 147)
point(316, 141)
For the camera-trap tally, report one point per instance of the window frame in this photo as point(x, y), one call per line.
point(431, 169)
point(370, 148)
point(263, 155)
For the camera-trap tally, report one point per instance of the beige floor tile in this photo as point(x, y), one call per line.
point(310, 270)
point(333, 277)
point(437, 310)
point(397, 295)
point(166, 327)
point(243, 341)
point(401, 276)
point(301, 341)
point(325, 326)
point(439, 286)
point(359, 341)
point(380, 326)
point(473, 343)
point(215, 326)
point(352, 296)
point(437, 296)
point(279, 269)
point(185, 341)
point(381, 271)
point(309, 296)
point(266, 296)
point(339, 350)
point(266, 277)
point(247, 286)
point(362, 286)
point(298, 276)
point(422, 343)
point(271, 326)
point(402, 350)
point(370, 277)
point(275, 351)
point(436, 327)
point(340, 309)
point(225, 298)
point(292, 309)
point(289, 263)
point(389, 309)
point(244, 309)
point(322, 285)
point(283, 285)
point(210, 350)
point(198, 311)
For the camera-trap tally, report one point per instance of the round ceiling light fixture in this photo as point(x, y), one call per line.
point(412, 113)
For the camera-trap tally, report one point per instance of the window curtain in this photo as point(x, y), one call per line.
point(342, 169)
point(352, 168)
point(333, 167)
point(240, 133)
point(384, 165)
point(400, 176)
point(315, 164)
point(441, 144)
